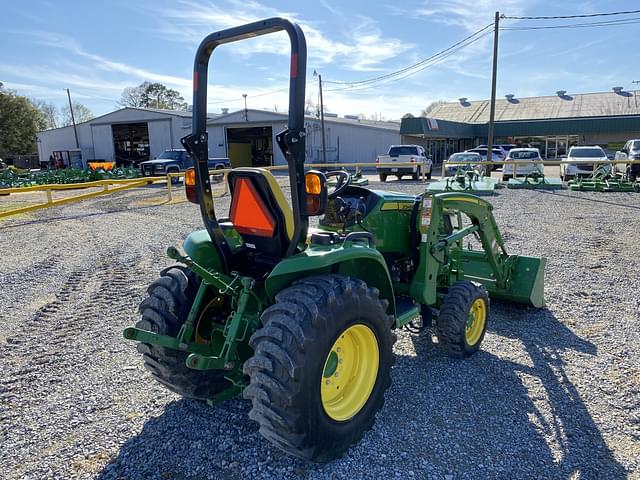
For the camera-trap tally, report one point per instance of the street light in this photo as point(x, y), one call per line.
point(324, 150)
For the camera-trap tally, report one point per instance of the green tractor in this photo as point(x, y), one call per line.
point(301, 320)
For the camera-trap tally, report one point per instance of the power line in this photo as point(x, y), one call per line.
point(471, 38)
point(554, 17)
point(434, 61)
point(626, 21)
point(238, 99)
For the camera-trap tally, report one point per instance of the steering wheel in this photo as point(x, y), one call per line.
point(343, 181)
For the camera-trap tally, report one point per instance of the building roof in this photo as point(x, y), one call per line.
point(533, 108)
point(262, 116)
point(177, 113)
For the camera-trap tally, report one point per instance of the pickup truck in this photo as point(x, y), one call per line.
point(404, 154)
point(176, 160)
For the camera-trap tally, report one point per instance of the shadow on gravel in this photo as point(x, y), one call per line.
point(510, 416)
point(517, 413)
point(592, 200)
point(44, 221)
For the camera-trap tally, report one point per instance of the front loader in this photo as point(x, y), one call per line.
point(301, 321)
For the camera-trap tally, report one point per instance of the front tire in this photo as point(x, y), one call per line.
point(323, 332)
point(164, 311)
point(463, 318)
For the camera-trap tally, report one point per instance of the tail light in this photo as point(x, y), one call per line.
point(377, 159)
point(190, 185)
point(413, 160)
point(316, 189)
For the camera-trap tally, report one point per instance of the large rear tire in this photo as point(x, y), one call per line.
point(164, 311)
point(463, 318)
point(323, 332)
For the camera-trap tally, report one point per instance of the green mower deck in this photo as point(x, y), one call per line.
point(602, 185)
point(535, 182)
point(483, 186)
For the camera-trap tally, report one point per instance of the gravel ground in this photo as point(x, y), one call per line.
point(553, 393)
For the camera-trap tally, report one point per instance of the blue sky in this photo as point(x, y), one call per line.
point(98, 48)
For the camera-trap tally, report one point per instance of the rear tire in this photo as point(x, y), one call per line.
point(291, 385)
point(164, 311)
point(429, 176)
point(383, 177)
point(460, 331)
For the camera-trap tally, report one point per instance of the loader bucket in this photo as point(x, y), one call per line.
point(525, 277)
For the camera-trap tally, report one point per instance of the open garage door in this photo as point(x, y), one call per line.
point(131, 142)
point(250, 146)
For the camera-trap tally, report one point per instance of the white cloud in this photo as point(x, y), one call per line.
point(363, 48)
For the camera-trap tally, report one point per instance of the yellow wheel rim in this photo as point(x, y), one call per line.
point(350, 372)
point(476, 321)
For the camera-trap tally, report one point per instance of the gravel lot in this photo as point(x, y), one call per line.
point(553, 393)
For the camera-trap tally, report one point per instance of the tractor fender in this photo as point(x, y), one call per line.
point(355, 261)
point(199, 247)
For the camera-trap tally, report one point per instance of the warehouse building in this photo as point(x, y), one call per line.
point(246, 137)
point(550, 123)
point(126, 135)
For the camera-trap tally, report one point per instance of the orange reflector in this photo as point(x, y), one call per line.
point(190, 177)
point(249, 214)
point(313, 184)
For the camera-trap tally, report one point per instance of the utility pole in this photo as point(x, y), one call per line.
point(246, 112)
point(492, 111)
point(635, 93)
point(73, 120)
point(324, 150)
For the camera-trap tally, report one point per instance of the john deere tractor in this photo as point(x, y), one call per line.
point(301, 320)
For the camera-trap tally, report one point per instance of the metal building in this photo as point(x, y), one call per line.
point(247, 138)
point(550, 123)
point(126, 135)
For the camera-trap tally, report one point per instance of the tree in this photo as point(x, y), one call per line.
point(55, 117)
point(431, 107)
point(20, 120)
point(81, 113)
point(152, 95)
point(309, 106)
point(50, 113)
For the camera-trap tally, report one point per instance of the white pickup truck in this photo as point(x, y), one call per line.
point(404, 154)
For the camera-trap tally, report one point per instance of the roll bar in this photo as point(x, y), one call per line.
point(291, 141)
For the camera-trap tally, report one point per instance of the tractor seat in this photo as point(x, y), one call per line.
point(260, 212)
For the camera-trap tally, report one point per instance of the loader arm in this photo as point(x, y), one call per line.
point(443, 260)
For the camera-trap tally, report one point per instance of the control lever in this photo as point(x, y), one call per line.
point(342, 210)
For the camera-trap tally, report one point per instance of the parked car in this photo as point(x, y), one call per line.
point(630, 151)
point(580, 161)
point(462, 157)
point(176, 160)
point(522, 163)
point(496, 156)
point(504, 148)
point(405, 154)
